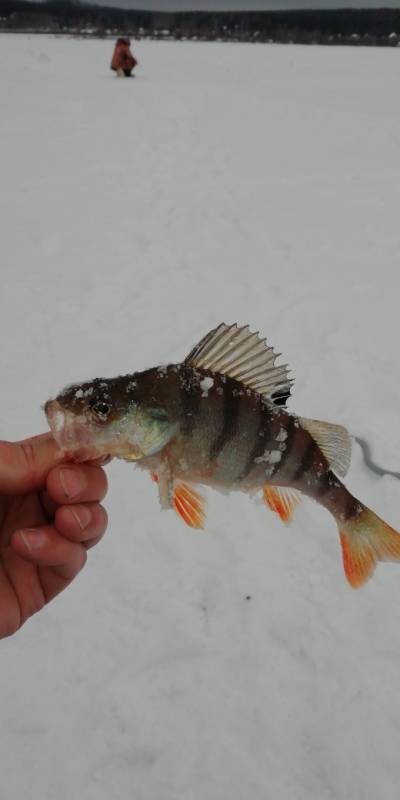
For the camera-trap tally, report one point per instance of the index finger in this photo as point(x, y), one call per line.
point(24, 465)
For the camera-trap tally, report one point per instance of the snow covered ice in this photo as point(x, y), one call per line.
point(226, 182)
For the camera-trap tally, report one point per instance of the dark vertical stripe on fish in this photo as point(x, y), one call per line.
point(190, 401)
point(260, 445)
point(306, 461)
point(324, 484)
point(231, 411)
point(351, 506)
point(344, 502)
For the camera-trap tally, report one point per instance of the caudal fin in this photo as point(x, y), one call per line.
point(366, 539)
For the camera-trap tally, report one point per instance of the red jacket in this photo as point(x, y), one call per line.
point(122, 56)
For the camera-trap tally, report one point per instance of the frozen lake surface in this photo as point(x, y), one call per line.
point(226, 182)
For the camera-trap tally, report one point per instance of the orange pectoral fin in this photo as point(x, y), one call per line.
point(190, 505)
point(281, 500)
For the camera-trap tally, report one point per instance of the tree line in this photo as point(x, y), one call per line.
point(380, 26)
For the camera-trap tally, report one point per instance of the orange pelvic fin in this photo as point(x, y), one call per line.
point(281, 500)
point(190, 505)
point(365, 540)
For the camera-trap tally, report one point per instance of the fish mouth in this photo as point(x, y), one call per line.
point(71, 433)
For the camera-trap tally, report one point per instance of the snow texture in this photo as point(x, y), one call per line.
point(226, 182)
point(205, 385)
point(270, 457)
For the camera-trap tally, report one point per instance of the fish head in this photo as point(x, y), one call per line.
point(108, 417)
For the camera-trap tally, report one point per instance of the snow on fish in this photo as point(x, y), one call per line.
point(219, 418)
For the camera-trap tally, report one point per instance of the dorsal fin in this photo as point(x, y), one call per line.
point(240, 354)
point(334, 441)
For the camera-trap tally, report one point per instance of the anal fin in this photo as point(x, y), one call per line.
point(281, 500)
point(189, 504)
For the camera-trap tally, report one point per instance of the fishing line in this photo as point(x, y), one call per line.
point(367, 456)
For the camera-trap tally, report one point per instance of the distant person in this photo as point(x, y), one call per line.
point(123, 61)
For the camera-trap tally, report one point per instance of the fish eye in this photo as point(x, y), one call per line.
point(100, 409)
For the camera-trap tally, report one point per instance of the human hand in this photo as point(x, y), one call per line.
point(50, 516)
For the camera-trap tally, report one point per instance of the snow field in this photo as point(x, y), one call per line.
point(226, 182)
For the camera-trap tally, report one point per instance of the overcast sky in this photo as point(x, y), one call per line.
point(239, 5)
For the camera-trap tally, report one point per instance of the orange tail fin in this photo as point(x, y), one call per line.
point(366, 539)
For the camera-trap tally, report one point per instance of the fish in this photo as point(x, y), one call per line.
point(220, 419)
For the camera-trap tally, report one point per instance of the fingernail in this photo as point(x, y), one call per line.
point(82, 516)
point(103, 461)
point(72, 481)
point(33, 538)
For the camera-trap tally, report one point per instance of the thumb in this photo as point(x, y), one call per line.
point(24, 465)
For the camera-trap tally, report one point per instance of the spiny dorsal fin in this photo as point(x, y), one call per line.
point(240, 354)
point(333, 440)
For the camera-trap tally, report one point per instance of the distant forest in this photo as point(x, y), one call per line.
point(340, 26)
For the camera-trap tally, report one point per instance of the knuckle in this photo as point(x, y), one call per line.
point(28, 457)
point(8, 627)
point(101, 480)
point(83, 559)
point(33, 604)
point(104, 517)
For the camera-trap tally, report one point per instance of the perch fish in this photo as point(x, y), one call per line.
point(219, 418)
